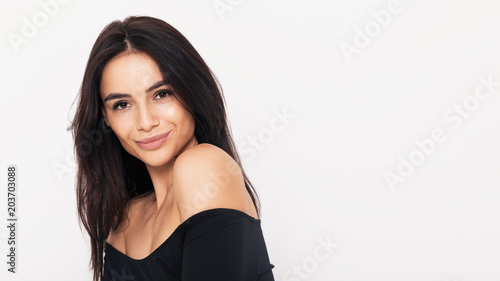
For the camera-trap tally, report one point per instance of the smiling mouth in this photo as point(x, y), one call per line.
point(153, 142)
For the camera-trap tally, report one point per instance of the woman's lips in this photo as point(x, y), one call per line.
point(153, 142)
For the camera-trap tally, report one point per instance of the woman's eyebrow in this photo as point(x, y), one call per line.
point(156, 85)
point(113, 96)
point(119, 96)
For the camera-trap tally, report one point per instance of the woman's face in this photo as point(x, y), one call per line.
point(149, 121)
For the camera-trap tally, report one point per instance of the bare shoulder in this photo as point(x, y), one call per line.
point(206, 158)
point(206, 177)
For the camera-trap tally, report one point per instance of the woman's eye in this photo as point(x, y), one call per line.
point(120, 105)
point(163, 94)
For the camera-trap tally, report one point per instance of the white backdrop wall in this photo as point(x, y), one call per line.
point(370, 130)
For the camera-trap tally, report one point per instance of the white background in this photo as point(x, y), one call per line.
point(322, 175)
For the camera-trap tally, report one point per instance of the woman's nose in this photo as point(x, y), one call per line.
point(146, 118)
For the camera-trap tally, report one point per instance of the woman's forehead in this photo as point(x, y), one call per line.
point(130, 72)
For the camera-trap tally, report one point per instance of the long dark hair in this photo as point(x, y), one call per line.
point(108, 176)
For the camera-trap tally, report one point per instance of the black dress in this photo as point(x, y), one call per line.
point(217, 245)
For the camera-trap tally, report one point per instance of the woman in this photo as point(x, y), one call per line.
point(160, 186)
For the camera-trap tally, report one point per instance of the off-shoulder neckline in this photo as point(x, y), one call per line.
point(178, 228)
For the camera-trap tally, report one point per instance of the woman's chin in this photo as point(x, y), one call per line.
point(156, 159)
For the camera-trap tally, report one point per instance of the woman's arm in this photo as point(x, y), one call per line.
point(227, 244)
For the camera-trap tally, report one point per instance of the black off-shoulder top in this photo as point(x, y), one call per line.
point(217, 245)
